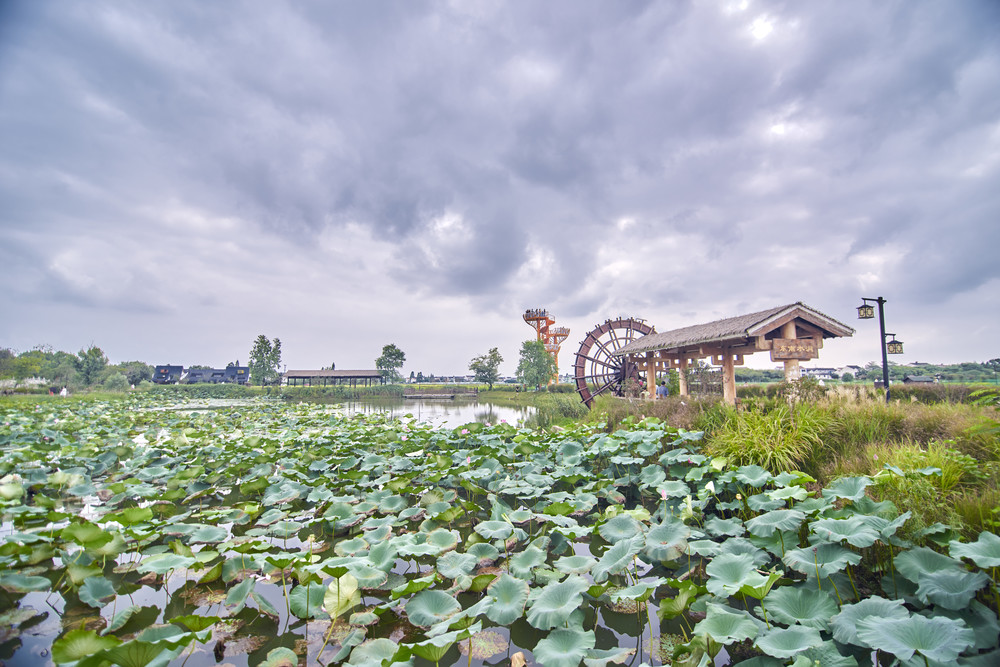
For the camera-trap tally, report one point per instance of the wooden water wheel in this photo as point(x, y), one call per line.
point(596, 370)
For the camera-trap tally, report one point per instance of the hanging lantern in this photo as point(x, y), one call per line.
point(894, 346)
point(866, 312)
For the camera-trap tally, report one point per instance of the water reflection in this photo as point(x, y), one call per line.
point(441, 413)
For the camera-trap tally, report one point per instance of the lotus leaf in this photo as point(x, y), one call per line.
point(78, 644)
point(673, 489)
point(719, 527)
point(786, 642)
point(767, 524)
point(826, 654)
point(552, 605)
point(739, 545)
point(484, 551)
point(370, 578)
point(494, 530)
point(949, 588)
point(919, 561)
point(619, 528)
point(95, 591)
point(280, 657)
point(639, 592)
point(453, 564)
point(435, 647)
point(666, 541)
point(821, 560)
point(523, 563)
point(941, 639)
point(849, 488)
point(728, 573)
point(429, 607)
point(617, 558)
point(753, 475)
point(762, 502)
point(352, 547)
point(726, 626)
point(306, 601)
point(373, 653)
point(442, 539)
point(164, 563)
point(854, 530)
point(803, 605)
point(20, 583)
point(575, 564)
point(984, 552)
point(565, 647)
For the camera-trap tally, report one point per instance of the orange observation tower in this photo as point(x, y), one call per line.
point(549, 334)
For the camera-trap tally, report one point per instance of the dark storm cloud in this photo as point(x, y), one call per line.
point(595, 157)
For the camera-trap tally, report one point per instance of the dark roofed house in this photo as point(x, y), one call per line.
point(918, 379)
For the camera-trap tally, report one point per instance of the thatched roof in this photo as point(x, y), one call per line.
point(734, 330)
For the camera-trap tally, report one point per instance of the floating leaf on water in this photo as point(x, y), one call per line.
point(784, 643)
point(564, 647)
point(281, 657)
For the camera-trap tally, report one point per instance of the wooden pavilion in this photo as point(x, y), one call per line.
point(791, 333)
point(324, 378)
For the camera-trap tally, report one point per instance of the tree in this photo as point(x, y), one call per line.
point(390, 362)
point(995, 365)
point(265, 361)
point(487, 367)
point(136, 371)
point(90, 363)
point(536, 366)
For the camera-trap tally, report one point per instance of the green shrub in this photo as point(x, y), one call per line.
point(771, 440)
point(116, 383)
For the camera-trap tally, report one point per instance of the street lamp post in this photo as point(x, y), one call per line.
point(867, 312)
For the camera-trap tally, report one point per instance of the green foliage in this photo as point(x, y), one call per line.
point(116, 382)
point(487, 367)
point(390, 362)
point(265, 361)
point(772, 440)
point(535, 366)
point(90, 363)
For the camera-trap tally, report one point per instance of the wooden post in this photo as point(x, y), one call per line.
point(651, 375)
point(682, 386)
point(792, 371)
point(728, 378)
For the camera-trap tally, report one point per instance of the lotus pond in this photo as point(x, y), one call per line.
point(268, 533)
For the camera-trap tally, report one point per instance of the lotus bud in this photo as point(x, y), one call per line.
point(663, 494)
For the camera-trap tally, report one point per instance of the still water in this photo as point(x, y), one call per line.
point(444, 413)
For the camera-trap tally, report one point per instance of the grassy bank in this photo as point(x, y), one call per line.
point(940, 460)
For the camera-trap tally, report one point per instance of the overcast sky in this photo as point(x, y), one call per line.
point(179, 177)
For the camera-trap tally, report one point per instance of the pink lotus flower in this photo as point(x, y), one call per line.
point(465, 431)
point(663, 494)
point(468, 460)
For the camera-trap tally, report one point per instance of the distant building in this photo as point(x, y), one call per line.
point(918, 379)
point(819, 373)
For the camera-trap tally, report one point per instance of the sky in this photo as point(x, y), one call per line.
point(179, 177)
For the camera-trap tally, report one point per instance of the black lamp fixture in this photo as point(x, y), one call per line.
point(866, 311)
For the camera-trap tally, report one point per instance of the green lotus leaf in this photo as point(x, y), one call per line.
point(826, 654)
point(853, 530)
point(552, 605)
point(392, 505)
point(306, 601)
point(564, 647)
point(131, 516)
point(208, 535)
point(453, 564)
point(720, 527)
point(639, 592)
point(368, 577)
point(753, 475)
point(20, 583)
point(652, 475)
point(239, 593)
point(429, 607)
point(821, 560)
point(776, 520)
point(762, 502)
point(86, 534)
point(495, 530)
point(414, 586)
point(786, 642)
point(484, 552)
point(603, 657)
point(194, 622)
point(941, 639)
point(984, 552)
point(728, 573)
point(280, 657)
point(507, 597)
point(786, 493)
point(575, 564)
point(801, 604)
point(981, 619)
point(353, 547)
point(435, 648)
point(951, 589)
point(618, 528)
point(442, 539)
point(341, 595)
point(726, 626)
point(845, 624)
point(666, 541)
point(78, 644)
point(96, 591)
point(740, 545)
point(849, 488)
point(163, 563)
point(617, 558)
point(674, 488)
point(523, 563)
point(677, 605)
point(382, 555)
point(918, 561)
point(373, 653)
